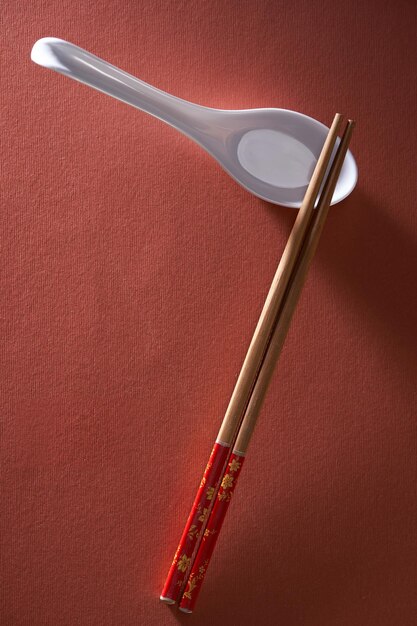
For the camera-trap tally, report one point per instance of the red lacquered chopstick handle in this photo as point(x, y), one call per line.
point(178, 573)
point(214, 524)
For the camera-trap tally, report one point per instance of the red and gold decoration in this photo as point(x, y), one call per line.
point(179, 570)
point(211, 532)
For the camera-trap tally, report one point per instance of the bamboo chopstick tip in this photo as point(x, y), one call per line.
point(338, 119)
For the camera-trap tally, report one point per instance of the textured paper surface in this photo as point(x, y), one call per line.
point(133, 273)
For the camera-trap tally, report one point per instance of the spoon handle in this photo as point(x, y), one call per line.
point(68, 59)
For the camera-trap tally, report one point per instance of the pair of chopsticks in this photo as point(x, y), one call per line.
point(200, 534)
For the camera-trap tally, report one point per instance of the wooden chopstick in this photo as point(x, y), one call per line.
point(204, 500)
point(234, 465)
point(293, 294)
point(267, 320)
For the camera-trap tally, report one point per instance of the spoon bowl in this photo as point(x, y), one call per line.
point(270, 152)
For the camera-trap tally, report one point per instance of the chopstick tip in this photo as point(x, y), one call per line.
point(166, 600)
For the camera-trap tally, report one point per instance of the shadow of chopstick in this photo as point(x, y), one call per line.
point(368, 256)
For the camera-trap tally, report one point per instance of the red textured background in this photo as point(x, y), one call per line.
point(133, 273)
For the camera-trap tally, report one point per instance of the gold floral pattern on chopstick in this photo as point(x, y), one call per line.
point(195, 526)
point(194, 579)
point(204, 515)
point(192, 584)
point(193, 532)
point(234, 465)
point(184, 563)
point(210, 534)
point(224, 496)
point(227, 481)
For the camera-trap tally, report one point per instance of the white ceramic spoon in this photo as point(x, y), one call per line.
point(270, 152)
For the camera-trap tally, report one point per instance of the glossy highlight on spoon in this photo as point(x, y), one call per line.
point(276, 158)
